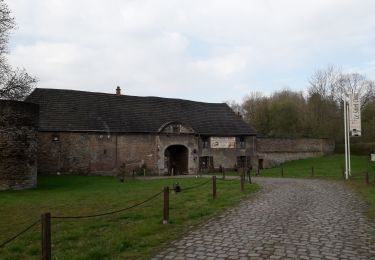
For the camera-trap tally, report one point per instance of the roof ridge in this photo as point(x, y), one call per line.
point(114, 94)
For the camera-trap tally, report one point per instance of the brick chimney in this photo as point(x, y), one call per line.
point(118, 91)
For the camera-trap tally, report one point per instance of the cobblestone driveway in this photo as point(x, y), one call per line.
point(289, 219)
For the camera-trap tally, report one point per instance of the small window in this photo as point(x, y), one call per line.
point(176, 129)
point(205, 142)
point(206, 162)
point(241, 161)
point(242, 142)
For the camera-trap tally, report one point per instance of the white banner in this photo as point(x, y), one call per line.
point(223, 142)
point(354, 115)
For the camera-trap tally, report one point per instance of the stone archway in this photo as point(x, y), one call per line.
point(176, 159)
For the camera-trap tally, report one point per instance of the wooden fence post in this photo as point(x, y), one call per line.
point(214, 187)
point(166, 205)
point(242, 182)
point(367, 178)
point(249, 175)
point(46, 236)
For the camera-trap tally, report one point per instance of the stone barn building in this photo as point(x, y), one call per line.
point(97, 133)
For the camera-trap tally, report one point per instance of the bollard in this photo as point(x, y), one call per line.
point(46, 236)
point(282, 172)
point(166, 205)
point(367, 178)
point(214, 187)
point(312, 171)
point(242, 182)
point(249, 175)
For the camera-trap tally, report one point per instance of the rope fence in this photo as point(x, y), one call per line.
point(46, 218)
point(111, 212)
point(196, 186)
point(19, 233)
point(365, 175)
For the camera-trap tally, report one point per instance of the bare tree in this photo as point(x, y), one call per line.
point(236, 107)
point(332, 84)
point(16, 83)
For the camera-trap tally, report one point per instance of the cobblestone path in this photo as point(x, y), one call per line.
point(289, 219)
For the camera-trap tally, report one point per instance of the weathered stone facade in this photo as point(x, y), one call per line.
point(107, 153)
point(94, 153)
point(274, 151)
point(18, 145)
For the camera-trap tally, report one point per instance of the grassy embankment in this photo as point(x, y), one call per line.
point(133, 234)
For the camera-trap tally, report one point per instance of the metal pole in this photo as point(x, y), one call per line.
point(166, 205)
point(46, 236)
point(346, 139)
point(348, 132)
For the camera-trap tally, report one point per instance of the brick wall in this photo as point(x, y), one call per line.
point(18, 145)
point(275, 151)
point(94, 153)
point(227, 157)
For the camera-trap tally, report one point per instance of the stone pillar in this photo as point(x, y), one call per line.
point(18, 145)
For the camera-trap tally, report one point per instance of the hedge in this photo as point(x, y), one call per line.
point(357, 148)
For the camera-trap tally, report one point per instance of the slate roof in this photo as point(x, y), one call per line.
point(71, 110)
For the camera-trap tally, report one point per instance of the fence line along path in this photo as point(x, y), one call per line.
point(289, 219)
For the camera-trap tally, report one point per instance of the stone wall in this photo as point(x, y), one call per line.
point(190, 141)
point(227, 157)
point(109, 154)
point(95, 153)
point(18, 145)
point(275, 151)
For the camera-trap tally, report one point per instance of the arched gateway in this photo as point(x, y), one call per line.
point(176, 159)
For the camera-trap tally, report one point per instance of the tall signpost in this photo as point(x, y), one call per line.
point(346, 138)
point(352, 126)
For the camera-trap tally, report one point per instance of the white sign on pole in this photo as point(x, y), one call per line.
point(223, 142)
point(355, 115)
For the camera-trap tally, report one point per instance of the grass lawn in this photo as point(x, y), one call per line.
point(327, 166)
point(133, 234)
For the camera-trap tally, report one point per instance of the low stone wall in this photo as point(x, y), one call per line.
point(275, 151)
point(18, 145)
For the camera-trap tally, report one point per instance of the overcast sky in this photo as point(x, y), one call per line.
point(206, 50)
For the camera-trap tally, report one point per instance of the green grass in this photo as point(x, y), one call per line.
point(133, 234)
point(327, 166)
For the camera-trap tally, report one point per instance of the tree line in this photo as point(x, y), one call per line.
point(15, 83)
point(316, 112)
